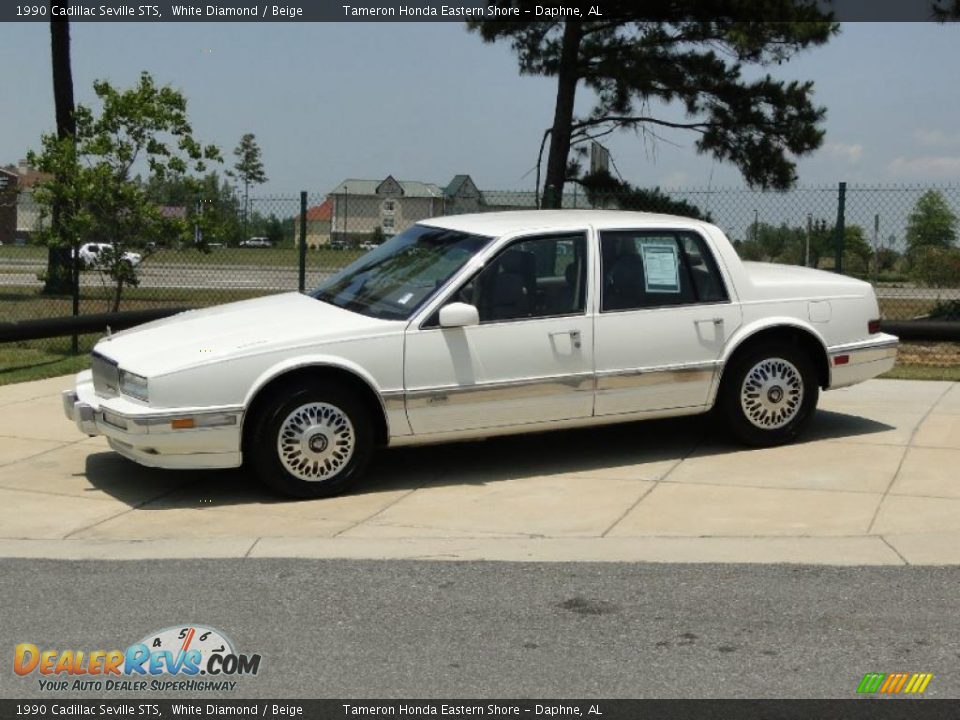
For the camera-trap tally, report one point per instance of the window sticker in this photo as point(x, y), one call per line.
point(661, 263)
point(405, 299)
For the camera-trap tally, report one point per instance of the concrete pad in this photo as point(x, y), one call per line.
point(15, 449)
point(184, 524)
point(38, 419)
point(893, 393)
point(950, 403)
point(700, 510)
point(240, 495)
point(551, 505)
point(928, 548)
point(939, 430)
point(51, 387)
point(886, 425)
point(900, 514)
point(381, 531)
point(825, 551)
point(126, 549)
point(815, 465)
point(633, 451)
point(36, 515)
point(641, 492)
point(930, 472)
point(88, 470)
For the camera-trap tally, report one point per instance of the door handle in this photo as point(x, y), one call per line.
point(715, 321)
point(574, 336)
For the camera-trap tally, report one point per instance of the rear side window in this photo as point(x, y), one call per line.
point(646, 269)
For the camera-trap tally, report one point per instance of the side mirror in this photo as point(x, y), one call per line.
point(458, 314)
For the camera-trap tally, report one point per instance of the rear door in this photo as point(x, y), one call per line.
point(665, 316)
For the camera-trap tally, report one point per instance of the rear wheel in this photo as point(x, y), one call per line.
point(769, 394)
point(312, 442)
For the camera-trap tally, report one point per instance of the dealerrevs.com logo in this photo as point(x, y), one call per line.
point(187, 657)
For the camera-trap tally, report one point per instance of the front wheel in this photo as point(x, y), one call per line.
point(312, 442)
point(769, 394)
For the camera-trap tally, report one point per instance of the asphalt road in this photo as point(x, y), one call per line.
point(277, 277)
point(436, 629)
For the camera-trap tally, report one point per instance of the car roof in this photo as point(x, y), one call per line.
point(519, 221)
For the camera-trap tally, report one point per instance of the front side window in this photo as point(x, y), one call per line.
point(644, 269)
point(394, 280)
point(539, 277)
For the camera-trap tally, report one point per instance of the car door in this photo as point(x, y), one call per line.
point(665, 316)
point(530, 359)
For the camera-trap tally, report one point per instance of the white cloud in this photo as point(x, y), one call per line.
point(845, 151)
point(926, 167)
point(936, 138)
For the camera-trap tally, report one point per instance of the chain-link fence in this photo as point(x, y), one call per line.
point(902, 238)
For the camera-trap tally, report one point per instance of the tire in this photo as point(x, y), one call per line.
point(768, 394)
point(313, 440)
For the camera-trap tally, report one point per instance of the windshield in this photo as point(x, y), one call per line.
point(398, 277)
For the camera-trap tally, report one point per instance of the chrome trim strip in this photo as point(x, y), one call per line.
point(393, 401)
point(168, 415)
point(866, 355)
point(646, 378)
point(680, 367)
point(863, 352)
point(888, 342)
point(492, 392)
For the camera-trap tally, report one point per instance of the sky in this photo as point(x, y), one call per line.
point(426, 101)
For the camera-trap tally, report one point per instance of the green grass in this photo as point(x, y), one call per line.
point(24, 302)
point(22, 362)
point(924, 372)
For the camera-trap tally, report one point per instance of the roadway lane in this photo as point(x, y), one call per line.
point(442, 629)
point(277, 278)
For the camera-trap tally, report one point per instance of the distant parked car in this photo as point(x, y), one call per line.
point(339, 245)
point(469, 326)
point(368, 246)
point(256, 242)
point(90, 254)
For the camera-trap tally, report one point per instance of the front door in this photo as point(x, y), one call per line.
point(531, 357)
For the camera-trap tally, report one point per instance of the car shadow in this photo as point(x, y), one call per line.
point(584, 451)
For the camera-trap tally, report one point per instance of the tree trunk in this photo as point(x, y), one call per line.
point(568, 76)
point(60, 271)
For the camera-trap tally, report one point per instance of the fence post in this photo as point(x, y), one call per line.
point(75, 292)
point(302, 279)
point(840, 230)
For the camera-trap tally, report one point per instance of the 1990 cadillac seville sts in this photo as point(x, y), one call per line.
point(478, 325)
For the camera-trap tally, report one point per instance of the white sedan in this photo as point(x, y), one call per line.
point(101, 254)
point(478, 325)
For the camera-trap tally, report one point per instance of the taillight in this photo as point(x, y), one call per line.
point(873, 326)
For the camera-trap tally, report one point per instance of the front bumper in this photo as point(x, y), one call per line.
point(145, 434)
point(855, 362)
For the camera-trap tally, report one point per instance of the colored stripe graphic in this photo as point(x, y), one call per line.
point(894, 683)
point(870, 683)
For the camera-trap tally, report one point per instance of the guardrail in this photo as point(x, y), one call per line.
point(81, 324)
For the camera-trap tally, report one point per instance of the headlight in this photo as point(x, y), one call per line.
point(133, 385)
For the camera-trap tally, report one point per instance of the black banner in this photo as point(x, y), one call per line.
point(430, 10)
point(857, 709)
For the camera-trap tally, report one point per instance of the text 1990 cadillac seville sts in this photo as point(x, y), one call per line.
point(478, 325)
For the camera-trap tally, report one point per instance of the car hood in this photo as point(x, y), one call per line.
point(241, 328)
